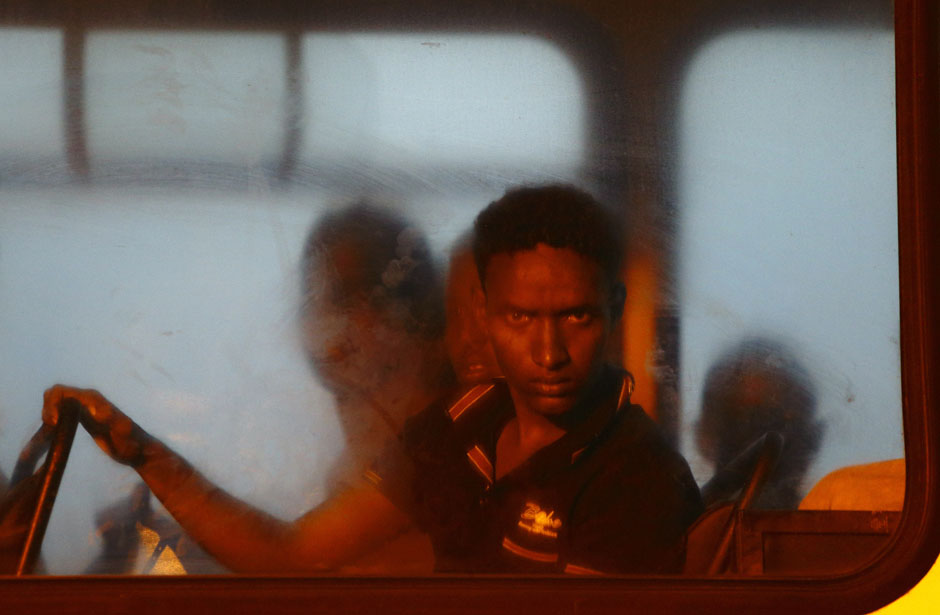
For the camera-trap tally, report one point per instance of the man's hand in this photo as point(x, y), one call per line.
point(241, 537)
point(114, 431)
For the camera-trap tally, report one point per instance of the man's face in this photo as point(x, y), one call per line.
point(351, 345)
point(548, 312)
point(468, 348)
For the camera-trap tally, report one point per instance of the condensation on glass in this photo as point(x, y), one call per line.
point(168, 272)
point(171, 279)
point(788, 231)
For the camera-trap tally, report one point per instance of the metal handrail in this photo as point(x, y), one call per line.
point(52, 471)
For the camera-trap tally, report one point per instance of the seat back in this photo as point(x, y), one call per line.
point(710, 538)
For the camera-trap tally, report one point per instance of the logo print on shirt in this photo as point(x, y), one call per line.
point(538, 521)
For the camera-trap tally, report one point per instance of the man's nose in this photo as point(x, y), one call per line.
point(549, 349)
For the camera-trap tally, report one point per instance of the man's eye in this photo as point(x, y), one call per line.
point(517, 318)
point(581, 317)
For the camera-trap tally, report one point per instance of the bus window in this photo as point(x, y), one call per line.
point(193, 225)
point(787, 221)
point(32, 125)
point(171, 174)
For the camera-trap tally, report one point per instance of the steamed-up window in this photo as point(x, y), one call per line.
point(168, 275)
point(788, 240)
point(198, 98)
point(442, 123)
point(157, 189)
point(437, 101)
point(31, 125)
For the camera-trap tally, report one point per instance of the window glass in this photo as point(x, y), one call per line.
point(788, 234)
point(443, 122)
point(31, 106)
point(197, 97)
point(170, 272)
point(442, 99)
point(181, 306)
point(171, 280)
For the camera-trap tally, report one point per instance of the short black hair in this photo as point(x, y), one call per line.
point(558, 215)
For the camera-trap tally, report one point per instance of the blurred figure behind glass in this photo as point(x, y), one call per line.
point(468, 346)
point(757, 386)
point(373, 326)
point(374, 330)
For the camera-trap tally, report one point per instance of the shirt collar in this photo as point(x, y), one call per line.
point(480, 412)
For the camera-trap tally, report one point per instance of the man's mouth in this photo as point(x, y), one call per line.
point(552, 387)
point(473, 369)
point(471, 374)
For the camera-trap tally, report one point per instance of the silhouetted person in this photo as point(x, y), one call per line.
point(468, 347)
point(373, 326)
point(755, 387)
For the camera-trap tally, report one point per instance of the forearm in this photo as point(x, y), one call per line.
point(248, 540)
point(239, 536)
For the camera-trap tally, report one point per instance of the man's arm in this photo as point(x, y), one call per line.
point(240, 536)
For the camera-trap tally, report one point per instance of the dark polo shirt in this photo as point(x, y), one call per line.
point(609, 496)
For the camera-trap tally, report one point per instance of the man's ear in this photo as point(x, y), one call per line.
point(618, 297)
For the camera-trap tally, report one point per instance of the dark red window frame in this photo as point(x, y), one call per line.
point(918, 128)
